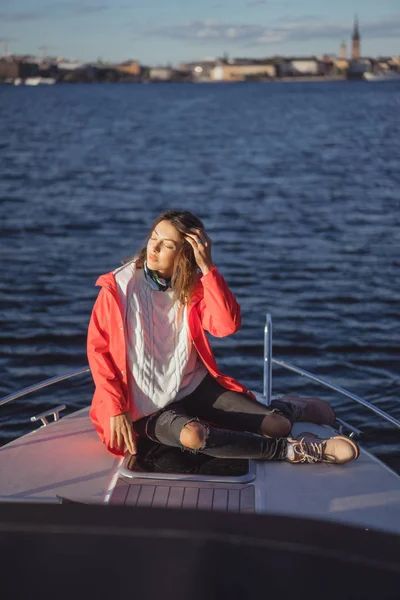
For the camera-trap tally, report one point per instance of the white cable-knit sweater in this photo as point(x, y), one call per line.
point(163, 365)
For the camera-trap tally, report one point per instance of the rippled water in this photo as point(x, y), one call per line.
point(298, 185)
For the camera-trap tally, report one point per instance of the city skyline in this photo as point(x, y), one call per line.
point(161, 33)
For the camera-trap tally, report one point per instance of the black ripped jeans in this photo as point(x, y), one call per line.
point(232, 422)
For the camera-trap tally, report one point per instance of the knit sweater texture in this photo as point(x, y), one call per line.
point(163, 365)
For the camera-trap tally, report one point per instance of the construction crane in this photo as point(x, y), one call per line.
point(44, 48)
point(5, 41)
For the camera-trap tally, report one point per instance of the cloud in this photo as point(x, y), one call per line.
point(306, 28)
point(80, 8)
point(299, 29)
point(51, 11)
point(280, 3)
point(209, 30)
point(16, 17)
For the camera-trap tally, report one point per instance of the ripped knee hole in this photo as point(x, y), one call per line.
point(193, 435)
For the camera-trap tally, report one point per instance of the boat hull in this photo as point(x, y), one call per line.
point(382, 77)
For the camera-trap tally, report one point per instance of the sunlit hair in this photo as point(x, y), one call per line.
point(184, 276)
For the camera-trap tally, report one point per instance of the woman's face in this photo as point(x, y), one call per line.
point(162, 248)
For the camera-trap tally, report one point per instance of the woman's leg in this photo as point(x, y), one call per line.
point(173, 426)
point(202, 437)
point(312, 409)
point(233, 410)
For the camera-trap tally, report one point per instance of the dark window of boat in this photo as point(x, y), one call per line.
point(157, 458)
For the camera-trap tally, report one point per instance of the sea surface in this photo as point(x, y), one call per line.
point(298, 185)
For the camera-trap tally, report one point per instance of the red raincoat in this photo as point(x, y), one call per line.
point(213, 308)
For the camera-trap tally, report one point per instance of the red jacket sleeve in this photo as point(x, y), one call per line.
point(104, 370)
point(218, 309)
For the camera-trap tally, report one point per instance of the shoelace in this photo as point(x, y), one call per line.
point(310, 452)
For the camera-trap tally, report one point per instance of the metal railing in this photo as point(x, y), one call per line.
point(267, 391)
point(47, 413)
point(337, 388)
point(268, 361)
point(42, 384)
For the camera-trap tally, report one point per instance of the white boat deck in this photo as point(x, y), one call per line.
point(364, 493)
point(67, 459)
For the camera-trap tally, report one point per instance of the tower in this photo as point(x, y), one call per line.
point(6, 41)
point(355, 54)
point(343, 50)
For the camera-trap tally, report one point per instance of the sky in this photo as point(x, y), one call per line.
point(160, 32)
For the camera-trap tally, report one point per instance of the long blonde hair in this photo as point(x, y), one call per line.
point(185, 272)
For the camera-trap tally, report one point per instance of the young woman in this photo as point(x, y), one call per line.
point(154, 370)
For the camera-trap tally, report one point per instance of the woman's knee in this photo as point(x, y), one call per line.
point(275, 425)
point(193, 436)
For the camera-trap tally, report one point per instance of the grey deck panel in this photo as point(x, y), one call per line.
point(234, 501)
point(132, 495)
point(220, 500)
point(120, 493)
point(190, 495)
point(146, 495)
point(205, 498)
point(190, 498)
point(247, 500)
point(175, 497)
point(161, 494)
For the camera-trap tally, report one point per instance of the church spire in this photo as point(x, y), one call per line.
point(356, 30)
point(355, 54)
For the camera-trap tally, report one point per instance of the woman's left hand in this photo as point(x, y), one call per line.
point(201, 245)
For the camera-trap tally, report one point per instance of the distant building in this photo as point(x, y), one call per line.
point(357, 68)
point(168, 74)
point(389, 62)
point(341, 65)
point(382, 65)
point(18, 68)
point(9, 69)
point(343, 51)
point(240, 71)
point(161, 74)
point(201, 70)
point(299, 66)
point(355, 52)
point(69, 65)
point(327, 66)
point(132, 67)
point(33, 60)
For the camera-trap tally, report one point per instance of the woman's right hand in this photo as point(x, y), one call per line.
point(122, 433)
